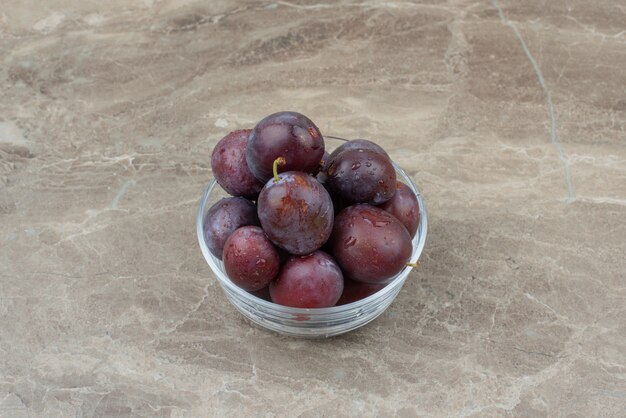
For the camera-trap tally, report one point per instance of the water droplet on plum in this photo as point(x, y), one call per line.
point(349, 242)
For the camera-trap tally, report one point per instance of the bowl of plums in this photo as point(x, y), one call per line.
point(308, 235)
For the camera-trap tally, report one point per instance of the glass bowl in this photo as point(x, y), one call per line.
point(311, 323)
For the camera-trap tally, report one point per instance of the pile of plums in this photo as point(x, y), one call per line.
point(306, 228)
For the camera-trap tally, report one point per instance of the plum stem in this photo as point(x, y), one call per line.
point(277, 162)
point(414, 265)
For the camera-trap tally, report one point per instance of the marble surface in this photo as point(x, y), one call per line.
point(509, 116)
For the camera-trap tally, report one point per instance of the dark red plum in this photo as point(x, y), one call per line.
point(223, 218)
point(296, 212)
point(228, 162)
point(263, 293)
point(358, 144)
point(310, 281)
point(404, 206)
point(250, 259)
point(369, 244)
point(353, 291)
point(290, 135)
point(362, 176)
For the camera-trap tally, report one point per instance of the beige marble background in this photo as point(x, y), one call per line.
point(109, 111)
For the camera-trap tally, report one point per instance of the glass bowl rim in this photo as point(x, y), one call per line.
point(396, 281)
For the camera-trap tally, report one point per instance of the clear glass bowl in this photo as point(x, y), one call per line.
point(311, 323)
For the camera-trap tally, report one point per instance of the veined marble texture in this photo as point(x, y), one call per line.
point(509, 115)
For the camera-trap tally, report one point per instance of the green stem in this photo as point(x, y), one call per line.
point(277, 162)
